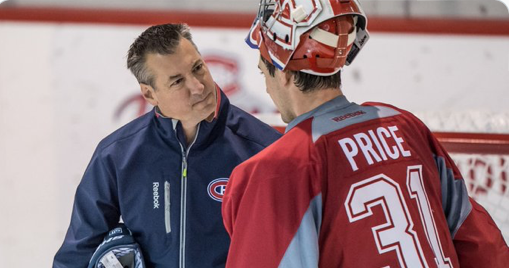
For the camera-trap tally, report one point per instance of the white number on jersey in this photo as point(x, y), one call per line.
point(397, 233)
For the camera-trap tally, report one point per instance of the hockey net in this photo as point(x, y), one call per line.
point(483, 160)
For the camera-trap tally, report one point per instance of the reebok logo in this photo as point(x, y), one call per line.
point(348, 115)
point(155, 190)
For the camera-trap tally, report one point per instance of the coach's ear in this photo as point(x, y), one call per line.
point(148, 94)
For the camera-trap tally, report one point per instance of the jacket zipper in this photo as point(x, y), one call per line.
point(183, 201)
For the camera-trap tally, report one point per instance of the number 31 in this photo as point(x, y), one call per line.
point(398, 229)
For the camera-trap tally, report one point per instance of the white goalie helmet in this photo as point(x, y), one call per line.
point(313, 36)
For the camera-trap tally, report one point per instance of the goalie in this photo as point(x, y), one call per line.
point(348, 185)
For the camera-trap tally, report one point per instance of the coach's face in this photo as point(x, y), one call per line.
point(184, 88)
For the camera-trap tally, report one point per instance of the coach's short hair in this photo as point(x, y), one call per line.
point(159, 39)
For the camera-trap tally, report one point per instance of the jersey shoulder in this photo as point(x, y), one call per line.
point(292, 149)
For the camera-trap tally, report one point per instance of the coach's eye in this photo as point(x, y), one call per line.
point(198, 67)
point(177, 82)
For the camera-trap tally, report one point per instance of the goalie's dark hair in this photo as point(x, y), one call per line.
point(308, 82)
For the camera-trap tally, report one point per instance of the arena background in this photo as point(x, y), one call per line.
point(64, 86)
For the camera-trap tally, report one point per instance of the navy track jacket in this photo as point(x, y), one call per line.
point(168, 194)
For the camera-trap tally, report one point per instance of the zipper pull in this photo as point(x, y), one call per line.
point(184, 165)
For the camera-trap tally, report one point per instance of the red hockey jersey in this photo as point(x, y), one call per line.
point(356, 186)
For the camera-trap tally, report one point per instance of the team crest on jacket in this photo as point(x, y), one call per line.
point(216, 189)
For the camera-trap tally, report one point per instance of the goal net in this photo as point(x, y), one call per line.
point(483, 160)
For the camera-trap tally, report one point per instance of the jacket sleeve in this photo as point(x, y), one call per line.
point(273, 214)
point(477, 239)
point(95, 212)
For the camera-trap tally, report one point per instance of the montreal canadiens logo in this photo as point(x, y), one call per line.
point(216, 189)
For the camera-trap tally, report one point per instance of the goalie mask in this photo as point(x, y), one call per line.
point(118, 250)
point(313, 36)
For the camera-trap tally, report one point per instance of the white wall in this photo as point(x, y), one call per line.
point(454, 83)
point(61, 85)
point(28, 161)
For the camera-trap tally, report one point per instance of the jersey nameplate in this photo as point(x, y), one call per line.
point(374, 145)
